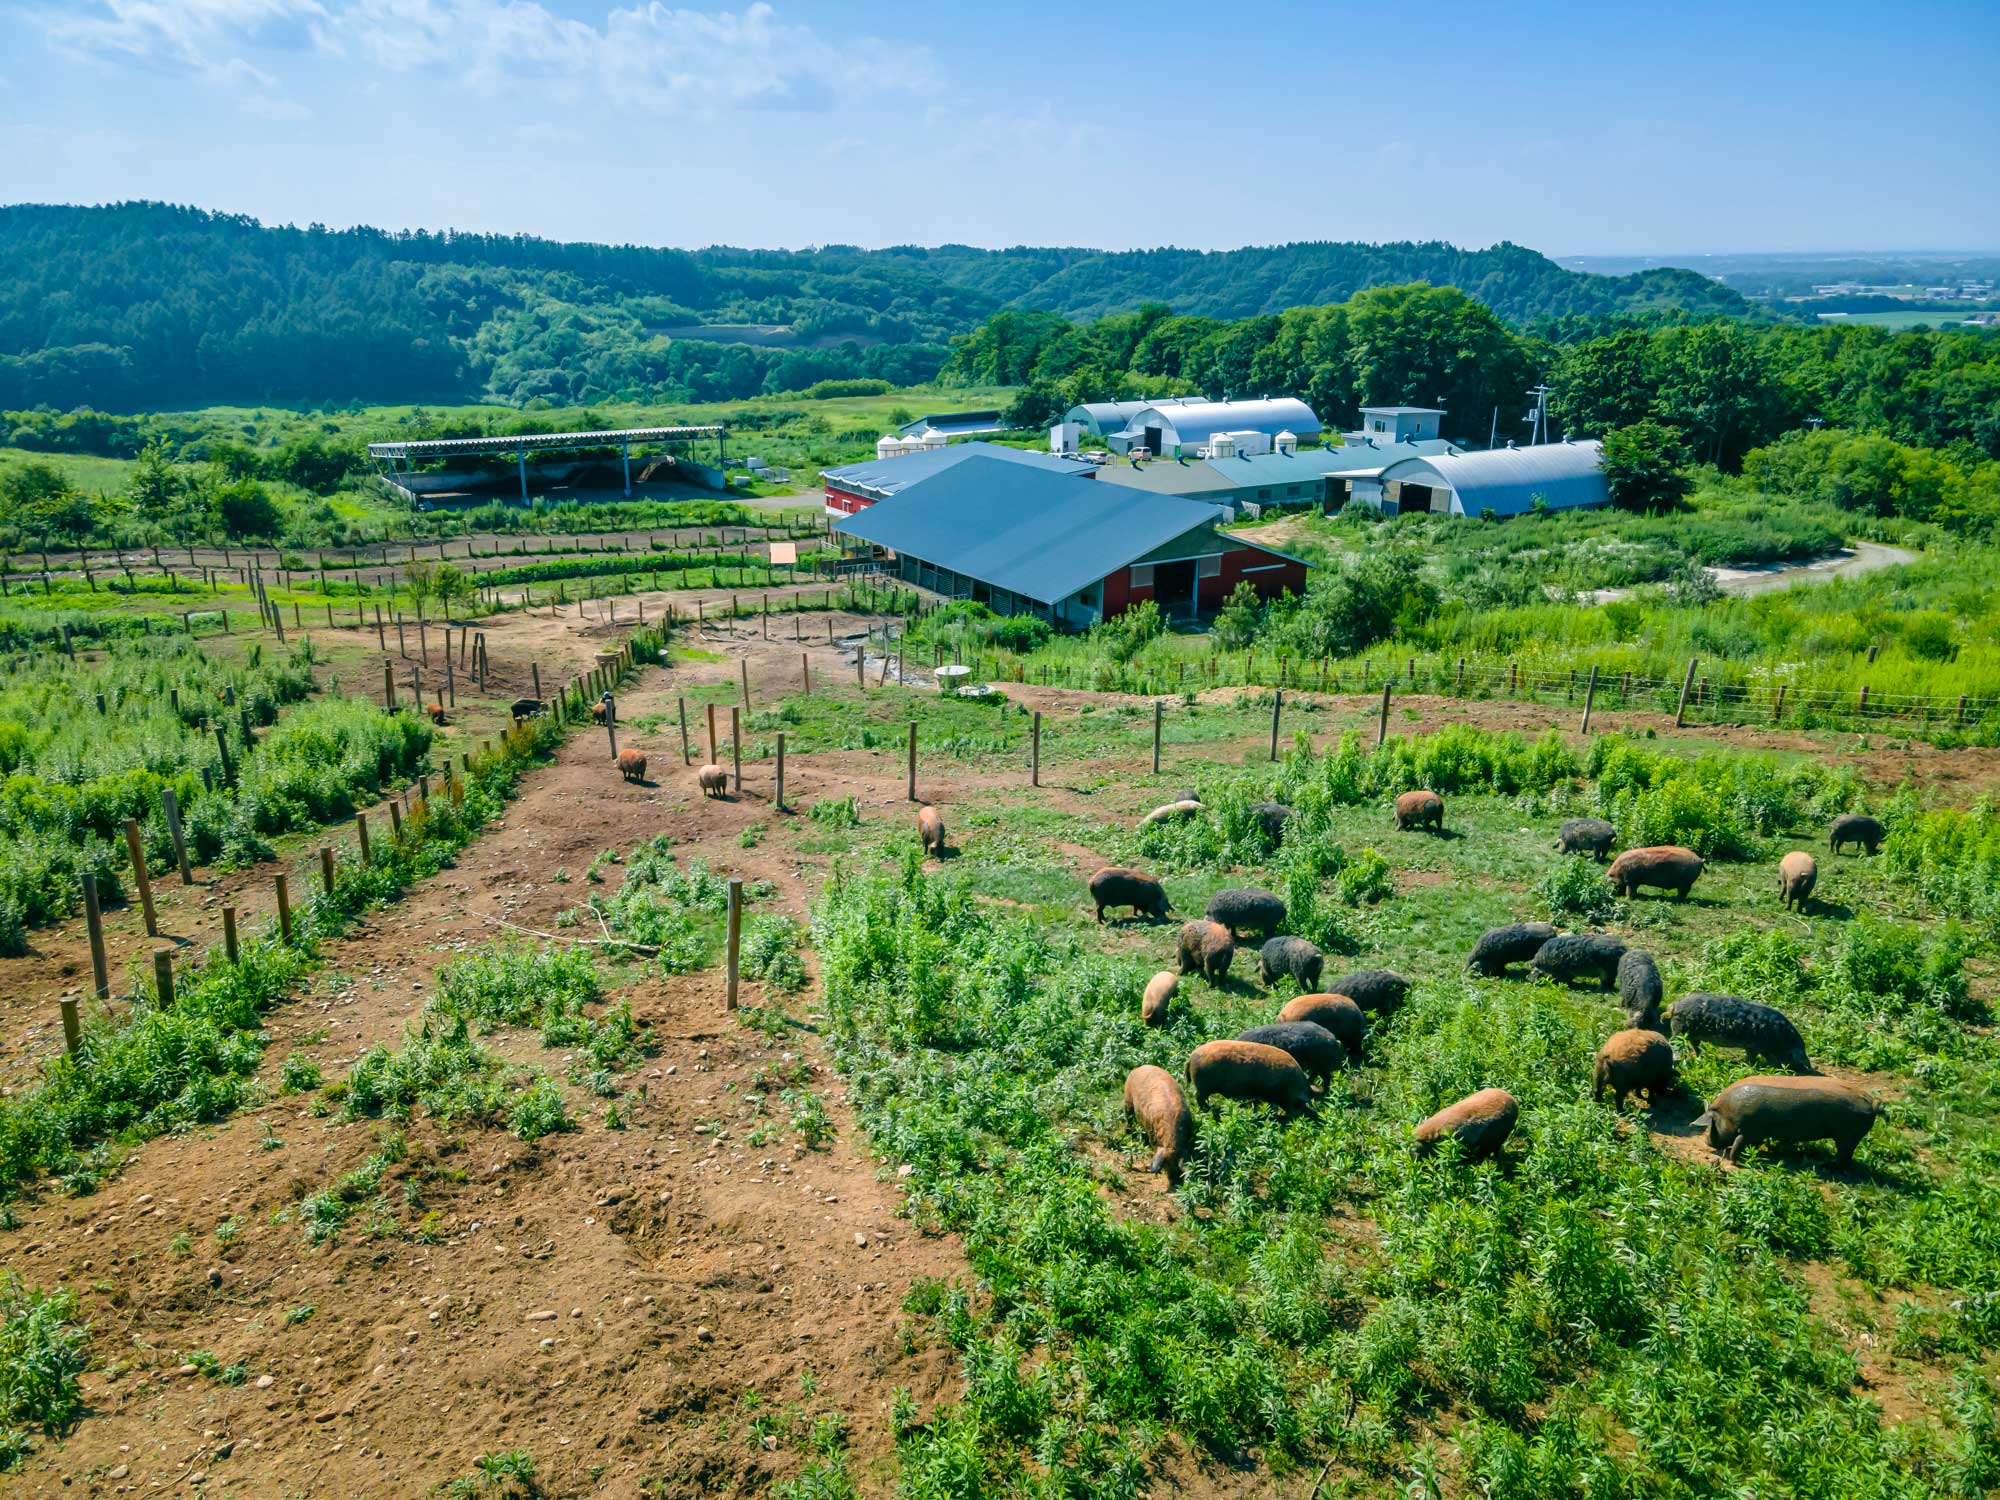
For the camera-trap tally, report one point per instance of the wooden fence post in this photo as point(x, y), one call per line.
point(326, 868)
point(1035, 751)
point(72, 1025)
point(163, 979)
point(1680, 712)
point(172, 807)
point(805, 673)
point(93, 917)
point(230, 949)
point(735, 941)
point(745, 665)
point(1778, 708)
point(714, 745)
point(1159, 713)
point(361, 828)
point(1382, 723)
point(135, 848)
point(535, 671)
point(1277, 708)
point(780, 803)
point(1589, 697)
point(736, 746)
point(284, 883)
point(388, 686)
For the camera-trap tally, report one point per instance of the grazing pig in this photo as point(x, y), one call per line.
point(1290, 955)
point(1206, 948)
point(1633, 1062)
point(1856, 828)
point(600, 708)
point(1480, 1123)
point(631, 764)
point(1639, 989)
point(930, 828)
point(526, 708)
point(1373, 989)
point(1272, 818)
point(1764, 1034)
point(1115, 885)
point(1336, 1014)
point(1171, 812)
point(1790, 1110)
point(1159, 992)
point(1499, 948)
point(436, 712)
point(1798, 873)
point(713, 780)
point(1311, 1045)
point(1420, 810)
point(1156, 1102)
point(1249, 1070)
point(1666, 866)
point(1586, 836)
point(1247, 910)
point(1571, 956)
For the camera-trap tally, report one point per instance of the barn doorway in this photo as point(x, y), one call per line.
point(1413, 499)
point(1173, 588)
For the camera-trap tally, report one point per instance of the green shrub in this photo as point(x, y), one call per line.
point(43, 1352)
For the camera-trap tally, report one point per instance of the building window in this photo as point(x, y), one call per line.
point(1142, 575)
point(1208, 567)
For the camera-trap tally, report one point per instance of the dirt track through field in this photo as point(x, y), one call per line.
point(604, 1299)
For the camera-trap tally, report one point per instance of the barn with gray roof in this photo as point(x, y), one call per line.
point(1498, 481)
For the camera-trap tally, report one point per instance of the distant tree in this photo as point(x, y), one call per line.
point(1237, 621)
point(37, 500)
point(1036, 404)
point(244, 508)
point(1645, 465)
point(161, 494)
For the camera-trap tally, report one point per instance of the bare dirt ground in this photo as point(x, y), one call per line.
point(605, 1299)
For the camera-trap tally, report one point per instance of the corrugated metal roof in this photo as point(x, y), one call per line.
point(958, 423)
point(1198, 421)
point(1346, 460)
point(882, 477)
point(1506, 481)
point(1034, 533)
point(1165, 477)
point(535, 442)
point(1407, 411)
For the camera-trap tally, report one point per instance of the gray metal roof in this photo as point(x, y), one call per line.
point(958, 423)
point(1197, 421)
point(1164, 476)
point(1407, 411)
point(1036, 534)
point(1104, 417)
point(882, 477)
point(535, 442)
point(1507, 481)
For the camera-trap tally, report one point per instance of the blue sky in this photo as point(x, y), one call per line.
point(1599, 128)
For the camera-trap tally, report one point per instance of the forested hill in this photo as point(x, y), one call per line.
point(144, 305)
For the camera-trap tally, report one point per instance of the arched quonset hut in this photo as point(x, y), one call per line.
point(1500, 481)
point(1182, 427)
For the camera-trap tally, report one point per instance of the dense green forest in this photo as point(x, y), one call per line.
point(1724, 385)
point(144, 306)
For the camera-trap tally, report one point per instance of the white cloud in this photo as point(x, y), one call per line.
point(201, 38)
point(650, 57)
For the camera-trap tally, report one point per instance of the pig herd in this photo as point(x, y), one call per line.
point(1325, 1027)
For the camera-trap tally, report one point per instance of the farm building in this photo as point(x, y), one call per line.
point(1501, 481)
point(1398, 424)
point(853, 487)
point(1024, 540)
point(1248, 481)
point(956, 424)
point(1103, 418)
point(1180, 428)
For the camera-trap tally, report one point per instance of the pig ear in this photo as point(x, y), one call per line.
point(1703, 1120)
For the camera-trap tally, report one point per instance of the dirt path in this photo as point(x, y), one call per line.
point(606, 1299)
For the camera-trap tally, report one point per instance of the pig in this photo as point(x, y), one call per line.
point(930, 828)
point(1639, 989)
point(1764, 1034)
point(1631, 1062)
point(1373, 989)
point(1571, 956)
point(1206, 948)
point(1115, 886)
point(1586, 836)
point(1789, 1110)
point(1171, 812)
point(1798, 873)
point(1420, 810)
point(600, 708)
point(1187, 794)
point(713, 780)
point(1312, 1046)
point(1336, 1014)
point(1247, 910)
point(1272, 818)
point(1500, 948)
point(436, 712)
point(526, 708)
point(1856, 828)
point(1666, 866)
point(631, 764)
point(1156, 1102)
point(1480, 1123)
point(1290, 955)
point(1251, 1071)
point(1159, 992)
